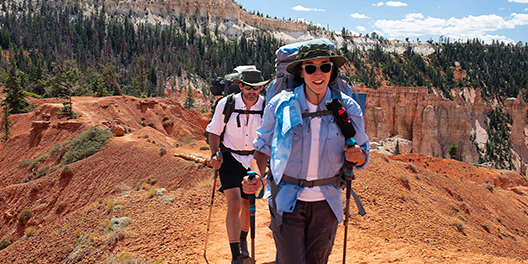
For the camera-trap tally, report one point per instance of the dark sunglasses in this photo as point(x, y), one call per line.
point(254, 88)
point(311, 68)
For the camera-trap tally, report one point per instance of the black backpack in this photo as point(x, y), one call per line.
point(217, 86)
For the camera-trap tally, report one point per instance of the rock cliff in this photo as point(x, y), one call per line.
point(429, 121)
point(433, 123)
point(233, 22)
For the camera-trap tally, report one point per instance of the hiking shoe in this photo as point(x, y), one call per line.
point(237, 260)
point(244, 249)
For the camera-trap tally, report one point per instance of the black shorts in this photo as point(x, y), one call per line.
point(232, 173)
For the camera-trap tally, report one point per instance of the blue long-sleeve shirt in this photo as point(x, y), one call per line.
point(284, 136)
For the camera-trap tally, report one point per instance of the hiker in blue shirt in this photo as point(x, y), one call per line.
point(307, 153)
point(234, 140)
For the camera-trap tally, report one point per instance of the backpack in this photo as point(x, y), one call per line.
point(285, 81)
point(217, 86)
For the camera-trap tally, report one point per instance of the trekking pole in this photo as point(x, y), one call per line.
point(219, 155)
point(349, 176)
point(252, 216)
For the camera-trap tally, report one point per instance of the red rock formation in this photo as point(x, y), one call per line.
point(431, 122)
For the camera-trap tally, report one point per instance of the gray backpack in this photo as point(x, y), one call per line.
point(285, 81)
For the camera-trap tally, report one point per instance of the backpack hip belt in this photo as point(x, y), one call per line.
point(239, 152)
point(335, 181)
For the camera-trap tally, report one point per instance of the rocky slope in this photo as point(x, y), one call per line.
point(139, 200)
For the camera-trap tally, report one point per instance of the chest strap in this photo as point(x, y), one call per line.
point(317, 114)
point(247, 112)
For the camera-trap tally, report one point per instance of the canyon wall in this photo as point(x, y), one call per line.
point(431, 122)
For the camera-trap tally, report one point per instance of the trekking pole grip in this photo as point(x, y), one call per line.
point(349, 166)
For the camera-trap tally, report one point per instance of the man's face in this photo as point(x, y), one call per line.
point(251, 93)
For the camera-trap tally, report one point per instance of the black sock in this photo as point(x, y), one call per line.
point(243, 235)
point(235, 250)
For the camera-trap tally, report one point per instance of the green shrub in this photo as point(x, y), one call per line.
point(86, 144)
point(66, 111)
point(43, 171)
point(5, 242)
point(461, 217)
point(24, 163)
point(24, 215)
point(110, 205)
point(204, 147)
point(58, 148)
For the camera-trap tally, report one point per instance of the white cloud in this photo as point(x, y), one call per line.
point(378, 4)
point(393, 3)
point(413, 17)
point(519, 1)
point(415, 24)
point(519, 19)
point(302, 8)
point(526, 9)
point(360, 28)
point(356, 15)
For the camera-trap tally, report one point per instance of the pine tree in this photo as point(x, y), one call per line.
point(14, 98)
point(189, 100)
point(453, 149)
point(397, 149)
point(5, 125)
point(109, 74)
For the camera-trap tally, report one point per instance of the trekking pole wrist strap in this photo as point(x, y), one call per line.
point(261, 194)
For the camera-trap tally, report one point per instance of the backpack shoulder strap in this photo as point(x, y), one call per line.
point(229, 107)
point(336, 93)
point(338, 110)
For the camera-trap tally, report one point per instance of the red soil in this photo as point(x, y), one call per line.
point(420, 209)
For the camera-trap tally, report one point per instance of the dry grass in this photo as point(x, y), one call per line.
point(30, 231)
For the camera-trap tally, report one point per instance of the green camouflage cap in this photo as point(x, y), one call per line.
point(315, 49)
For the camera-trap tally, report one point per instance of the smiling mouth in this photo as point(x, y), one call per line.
point(318, 82)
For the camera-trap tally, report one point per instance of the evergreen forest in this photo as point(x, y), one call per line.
point(68, 46)
point(98, 53)
point(51, 49)
point(498, 69)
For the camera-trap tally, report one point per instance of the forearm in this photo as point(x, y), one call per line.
point(259, 162)
point(214, 143)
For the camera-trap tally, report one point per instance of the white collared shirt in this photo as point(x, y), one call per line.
point(237, 138)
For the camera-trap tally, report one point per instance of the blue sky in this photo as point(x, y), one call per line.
point(503, 20)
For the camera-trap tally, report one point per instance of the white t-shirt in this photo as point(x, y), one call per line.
point(313, 194)
point(237, 138)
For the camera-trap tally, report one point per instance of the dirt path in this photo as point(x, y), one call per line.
point(368, 242)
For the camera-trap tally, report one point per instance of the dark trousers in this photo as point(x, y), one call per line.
point(306, 235)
